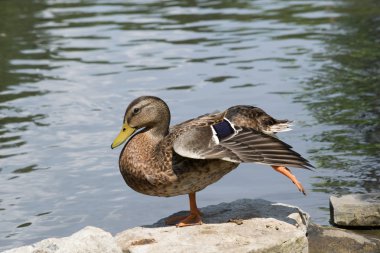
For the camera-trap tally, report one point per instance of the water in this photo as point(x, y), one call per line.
point(68, 69)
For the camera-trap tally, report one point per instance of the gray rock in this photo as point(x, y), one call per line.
point(335, 240)
point(89, 239)
point(356, 210)
point(240, 226)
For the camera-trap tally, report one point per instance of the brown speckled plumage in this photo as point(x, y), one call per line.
point(150, 166)
point(187, 158)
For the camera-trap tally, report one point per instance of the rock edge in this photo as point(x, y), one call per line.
point(242, 226)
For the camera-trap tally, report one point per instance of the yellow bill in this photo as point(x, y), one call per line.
point(124, 134)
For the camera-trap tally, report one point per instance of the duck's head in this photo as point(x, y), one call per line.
point(146, 112)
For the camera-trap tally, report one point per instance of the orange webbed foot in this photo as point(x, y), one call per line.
point(191, 220)
point(184, 221)
point(286, 172)
point(174, 220)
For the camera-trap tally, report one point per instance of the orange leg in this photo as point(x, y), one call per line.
point(193, 219)
point(286, 172)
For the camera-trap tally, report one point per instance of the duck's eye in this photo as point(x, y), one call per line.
point(136, 110)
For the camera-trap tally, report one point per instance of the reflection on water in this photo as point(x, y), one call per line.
point(345, 95)
point(69, 68)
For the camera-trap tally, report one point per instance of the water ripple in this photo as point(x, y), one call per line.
point(69, 68)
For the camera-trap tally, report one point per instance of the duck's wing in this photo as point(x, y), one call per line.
point(235, 139)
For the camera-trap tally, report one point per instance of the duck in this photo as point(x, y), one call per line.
point(162, 160)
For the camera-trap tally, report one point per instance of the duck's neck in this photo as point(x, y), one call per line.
point(155, 134)
point(161, 128)
point(159, 131)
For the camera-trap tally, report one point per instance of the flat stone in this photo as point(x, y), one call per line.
point(240, 226)
point(89, 239)
point(362, 210)
point(335, 240)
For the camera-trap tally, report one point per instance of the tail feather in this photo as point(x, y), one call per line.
point(281, 127)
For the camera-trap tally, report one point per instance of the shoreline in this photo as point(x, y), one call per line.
point(244, 225)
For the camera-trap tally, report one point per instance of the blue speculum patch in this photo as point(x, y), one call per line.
point(223, 129)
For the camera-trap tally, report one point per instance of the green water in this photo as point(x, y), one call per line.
point(68, 69)
point(344, 95)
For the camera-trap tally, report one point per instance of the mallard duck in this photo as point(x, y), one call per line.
point(159, 160)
